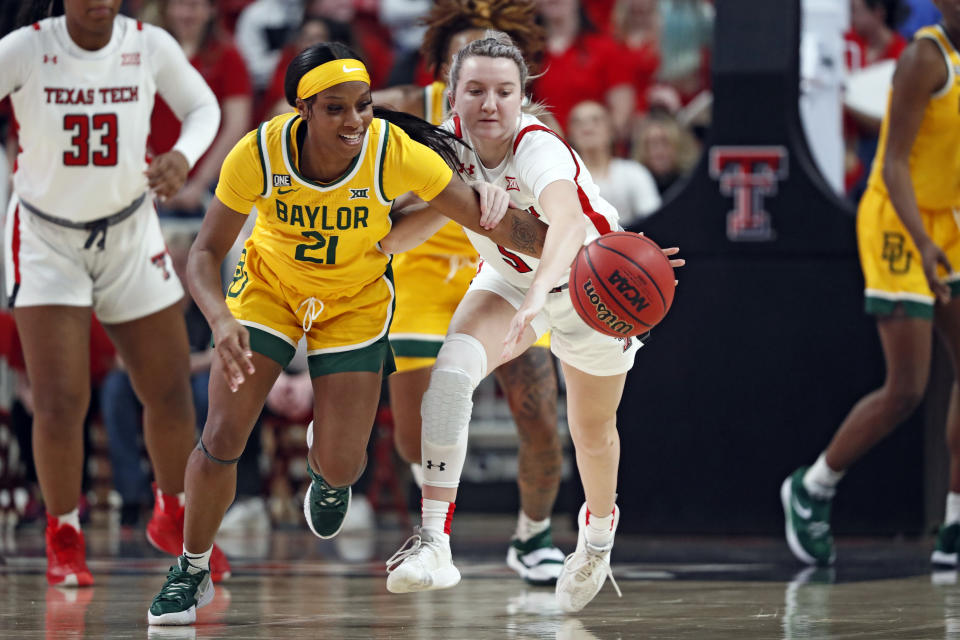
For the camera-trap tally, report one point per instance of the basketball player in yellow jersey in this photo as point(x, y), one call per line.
point(323, 180)
point(907, 229)
point(433, 278)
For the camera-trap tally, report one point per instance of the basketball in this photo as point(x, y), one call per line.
point(621, 284)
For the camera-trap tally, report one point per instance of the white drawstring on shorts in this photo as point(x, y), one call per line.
point(460, 262)
point(312, 312)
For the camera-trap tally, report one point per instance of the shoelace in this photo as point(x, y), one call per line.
point(329, 496)
point(592, 560)
point(410, 547)
point(311, 313)
point(178, 585)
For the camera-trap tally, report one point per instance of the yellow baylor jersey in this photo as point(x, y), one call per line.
point(450, 240)
point(323, 239)
point(935, 156)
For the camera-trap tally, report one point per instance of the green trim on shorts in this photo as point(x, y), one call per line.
point(404, 348)
point(271, 346)
point(372, 357)
point(911, 308)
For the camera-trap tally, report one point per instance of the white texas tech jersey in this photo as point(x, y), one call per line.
point(538, 158)
point(83, 116)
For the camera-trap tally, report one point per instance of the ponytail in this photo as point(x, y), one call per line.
point(439, 140)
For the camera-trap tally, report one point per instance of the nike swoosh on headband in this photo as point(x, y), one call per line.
point(347, 69)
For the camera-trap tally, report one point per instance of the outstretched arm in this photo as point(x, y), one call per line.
point(518, 231)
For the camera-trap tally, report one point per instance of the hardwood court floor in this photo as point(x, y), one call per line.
point(290, 585)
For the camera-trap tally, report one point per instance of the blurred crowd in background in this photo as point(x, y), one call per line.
point(628, 81)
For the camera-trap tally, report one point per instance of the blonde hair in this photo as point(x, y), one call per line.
point(688, 150)
point(496, 44)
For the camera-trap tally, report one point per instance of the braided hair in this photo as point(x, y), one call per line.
point(447, 18)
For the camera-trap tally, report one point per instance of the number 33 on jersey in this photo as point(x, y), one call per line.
point(324, 238)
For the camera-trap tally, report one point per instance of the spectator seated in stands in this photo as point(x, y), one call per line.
point(665, 148)
point(194, 25)
point(872, 39)
point(626, 184)
point(581, 63)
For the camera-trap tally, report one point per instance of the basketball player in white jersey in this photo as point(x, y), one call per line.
point(513, 300)
point(81, 234)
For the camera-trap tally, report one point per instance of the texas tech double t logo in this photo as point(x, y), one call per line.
point(748, 174)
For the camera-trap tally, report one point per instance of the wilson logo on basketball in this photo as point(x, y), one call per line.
point(621, 284)
point(603, 313)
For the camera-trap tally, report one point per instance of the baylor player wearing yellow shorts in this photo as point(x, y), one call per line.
point(433, 278)
point(908, 235)
point(323, 180)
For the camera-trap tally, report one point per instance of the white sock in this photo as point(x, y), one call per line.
point(527, 528)
point(820, 480)
point(953, 508)
point(197, 562)
point(436, 516)
point(181, 497)
point(599, 530)
point(71, 518)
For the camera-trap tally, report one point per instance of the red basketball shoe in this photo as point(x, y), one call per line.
point(66, 556)
point(165, 533)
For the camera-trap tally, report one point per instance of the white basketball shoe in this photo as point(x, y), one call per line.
point(586, 569)
point(422, 563)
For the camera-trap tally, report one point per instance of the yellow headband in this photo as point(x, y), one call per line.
point(329, 74)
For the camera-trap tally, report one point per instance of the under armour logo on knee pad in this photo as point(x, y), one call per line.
point(441, 466)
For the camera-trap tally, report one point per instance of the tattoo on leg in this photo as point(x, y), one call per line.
point(530, 385)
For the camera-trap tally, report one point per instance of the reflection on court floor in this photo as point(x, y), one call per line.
point(290, 585)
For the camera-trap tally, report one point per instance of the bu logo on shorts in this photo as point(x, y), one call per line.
point(894, 253)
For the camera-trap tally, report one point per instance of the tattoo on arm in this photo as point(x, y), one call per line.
point(527, 233)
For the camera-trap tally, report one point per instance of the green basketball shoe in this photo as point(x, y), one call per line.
point(807, 521)
point(182, 594)
point(325, 507)
point(537, 560)
point(948, 539)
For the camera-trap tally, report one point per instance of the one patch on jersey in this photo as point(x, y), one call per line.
point(281, 180)
point(130, 59)
point(356, 194)
point(512, 184)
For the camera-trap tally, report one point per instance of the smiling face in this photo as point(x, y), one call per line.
point(337, 118)
point(488, 97)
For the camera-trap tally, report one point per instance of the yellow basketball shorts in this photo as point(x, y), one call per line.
point(343, 334)
point(891, 264)
point(429, 288)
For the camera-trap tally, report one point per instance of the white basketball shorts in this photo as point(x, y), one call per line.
point(571, 339)
point(130, 278)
